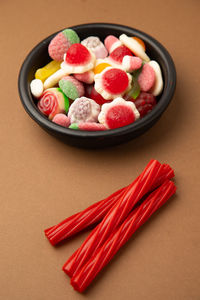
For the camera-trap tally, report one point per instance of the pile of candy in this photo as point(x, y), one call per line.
point(91, 85)
point(119, 216)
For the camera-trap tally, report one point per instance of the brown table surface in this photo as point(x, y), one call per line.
point(43, 181)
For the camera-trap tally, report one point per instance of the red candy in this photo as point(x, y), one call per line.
point(115, 81)
point(91, 126)
point(144, 103)
point(119, 115)
point(146, 78)
point(118, 54)
point(97, 97)
point(77, 54)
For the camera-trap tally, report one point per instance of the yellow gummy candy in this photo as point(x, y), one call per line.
point(47, 70)
point(100, 67)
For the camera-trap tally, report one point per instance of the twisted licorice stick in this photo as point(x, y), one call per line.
point(115, 216)
point(83, 219)
point(121, 235)
point(91, 215)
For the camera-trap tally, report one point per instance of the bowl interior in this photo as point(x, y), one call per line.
point(39, 57)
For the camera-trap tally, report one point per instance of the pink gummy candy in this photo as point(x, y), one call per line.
point(77, 54)
point(118, 54)
point(91, 126)
point(61, 119)
point(131, 63)
point(58, 46)
point(146, 78)
point(111, 42)
point(86, 77)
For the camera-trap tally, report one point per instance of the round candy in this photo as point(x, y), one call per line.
point(36, 87)
point(61, 42)
point(78, 59)
point(112, 83)
point(118, 113)
point(61, 119)
point(83, 110)
point(96, 46)
point(100, 67)
point(144, 103)
point(71, 87)
point(118, 54)
point(52, 102)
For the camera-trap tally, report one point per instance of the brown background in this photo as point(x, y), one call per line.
point(43, 181)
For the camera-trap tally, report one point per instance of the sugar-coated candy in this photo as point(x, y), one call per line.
point(78, 59)
point(158, 85)
point(87, 77)
point(88, 126)
point(52, 102)
point(144, 103)
point(147, 77)
point(83, 110)
point(61, 119)
point(131, 63)
point(112, 83)
point(71, 87)
point(61, 42)
point(134, 46)
point(47, 70)
point(96, 46)
point(118, 113)
point(36, 87)
point(52, 80)
point(118, 54)
point(112, 42)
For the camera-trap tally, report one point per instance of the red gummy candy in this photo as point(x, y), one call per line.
point(119, 53)
point(77, 54)
point(115, 81)
point(97, 97)
point(144, 103)
point(119, 116)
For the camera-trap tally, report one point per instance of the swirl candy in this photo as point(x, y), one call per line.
point(61, 43)
point(78, 59)
point(147, 77)
point(112, 83)
point(118, 113)
point(131, 63)
point(96, 46)
point(84, 110)
point(52, 102)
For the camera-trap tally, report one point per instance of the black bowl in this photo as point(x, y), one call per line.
point(38, 57)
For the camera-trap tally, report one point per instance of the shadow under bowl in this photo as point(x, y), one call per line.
point(39, 57)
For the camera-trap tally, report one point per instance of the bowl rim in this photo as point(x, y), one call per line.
point(165, 99)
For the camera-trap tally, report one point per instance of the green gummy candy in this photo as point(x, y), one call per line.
point(68, 89)
point(71, 35)
point(74, 126)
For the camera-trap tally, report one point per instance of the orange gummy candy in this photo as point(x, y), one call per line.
point(100, 67)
